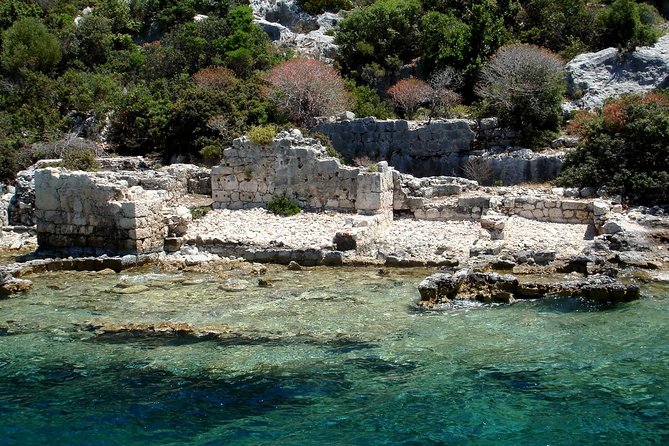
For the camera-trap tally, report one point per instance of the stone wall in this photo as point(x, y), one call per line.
point(96, 213)
point(176, 180)
point(299, 168)
point(441, 148)
point(478, 206)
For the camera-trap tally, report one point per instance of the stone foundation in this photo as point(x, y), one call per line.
point(96, 213)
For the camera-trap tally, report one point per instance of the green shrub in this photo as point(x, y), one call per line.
point(625, 150)
point(199, 211)
point(28, 44)
point(378, 36)
point(80, 159)
point(212, 152)
point(262, 135)
point(284, 206)
point(315, 7)
point(629, 24)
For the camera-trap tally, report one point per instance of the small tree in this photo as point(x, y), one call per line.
point(524, 84)
point(306, 88)
point(409, 94)
point(630, 24)
point(28, 44)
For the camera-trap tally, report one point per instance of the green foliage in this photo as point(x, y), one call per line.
point(234, 41)
point(283, 206)
point(13, 10)
point(379, 36)
point(80, 159)
point(625, 150)
point(315, 7)
point(262, 135)
point(557, 24)
point(367, 102)
point(28, 44)
point(524, 86)
point(446, 41)
point(629, 24)
point(212, 152)
point(198, 212)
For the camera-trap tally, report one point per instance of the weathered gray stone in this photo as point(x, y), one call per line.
point(442, 288)
point(595, 77)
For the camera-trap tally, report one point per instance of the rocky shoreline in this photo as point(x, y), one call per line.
point(182, 216)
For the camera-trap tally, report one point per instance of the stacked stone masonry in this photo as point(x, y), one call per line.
point(476, 207)
point(446, 147)
point(298, 168)
point(96, 213)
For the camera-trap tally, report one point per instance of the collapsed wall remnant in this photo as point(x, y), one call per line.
point(446, 147)
point(96, 213)
point(299, 168)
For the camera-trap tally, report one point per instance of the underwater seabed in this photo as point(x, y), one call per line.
point(323, 357)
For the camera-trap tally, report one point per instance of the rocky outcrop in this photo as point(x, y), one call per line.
point(595, 77)
point(20, 210)
point(287, 25)
point(465, 284)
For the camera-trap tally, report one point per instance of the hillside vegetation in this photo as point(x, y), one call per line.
point(156, 77)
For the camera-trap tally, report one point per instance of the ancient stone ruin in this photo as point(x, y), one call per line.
point(114, 212)
point(97, 213)
point(299, 168)
point(450, 147)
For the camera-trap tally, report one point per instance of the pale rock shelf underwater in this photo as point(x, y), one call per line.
point(325, 357)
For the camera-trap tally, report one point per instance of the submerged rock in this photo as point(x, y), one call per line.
point(495, 288)
point(11, 285)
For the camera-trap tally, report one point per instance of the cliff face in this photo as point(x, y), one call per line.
point(595, 77)
point(287, 25)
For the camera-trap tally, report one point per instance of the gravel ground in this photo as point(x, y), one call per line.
point(405, 237)
point(565, 239)
point(262, 228)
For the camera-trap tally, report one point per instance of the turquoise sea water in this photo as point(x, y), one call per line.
point(326, 357)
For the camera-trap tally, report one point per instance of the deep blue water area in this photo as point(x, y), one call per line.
point(325, 357)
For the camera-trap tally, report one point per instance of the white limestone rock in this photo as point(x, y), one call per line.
point(607, 73)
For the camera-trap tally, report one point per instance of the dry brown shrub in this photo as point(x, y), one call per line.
point(478, 169)
point(215, 77)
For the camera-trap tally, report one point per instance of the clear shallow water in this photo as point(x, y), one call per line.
point(326, 357)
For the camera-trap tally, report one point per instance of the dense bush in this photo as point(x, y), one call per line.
point(379, 39)
point(262, 135)
point(315, 7)
point(284, 206)
point(524, 86)
point(28, 44)
point(80, 159)
point(628, 24)
point(367, 102)
point(626, 150)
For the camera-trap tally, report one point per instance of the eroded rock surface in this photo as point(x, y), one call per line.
point(465, 284)
point(598, 76)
